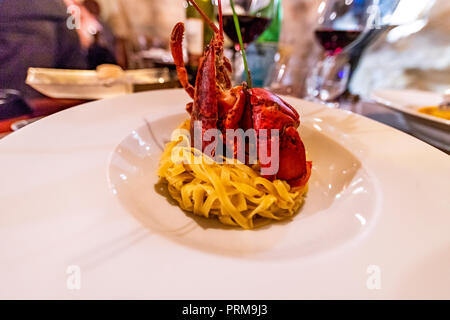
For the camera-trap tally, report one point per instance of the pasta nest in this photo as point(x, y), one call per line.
point(231, 191)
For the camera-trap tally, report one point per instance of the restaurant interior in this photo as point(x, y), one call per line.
point(353, 100)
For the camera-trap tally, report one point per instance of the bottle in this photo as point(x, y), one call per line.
point(198, 34)
point(272, 33)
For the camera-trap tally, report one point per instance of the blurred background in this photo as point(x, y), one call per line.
point(321, 50)
point(35, 34)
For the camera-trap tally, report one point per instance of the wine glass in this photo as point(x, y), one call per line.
point(254, 16)
point(341, 24)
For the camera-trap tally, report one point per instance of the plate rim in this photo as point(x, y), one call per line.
point(360, 252)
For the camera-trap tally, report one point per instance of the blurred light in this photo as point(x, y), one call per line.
point(360, 218)
point(348, 2)
point(359, 190)
point(321, 7)
point(92, 30)
point(277, 57)
point(409, 11)
point(406, 30)
point(357, 181)
point(281, 72)
point(139, 139)
point(333, 15)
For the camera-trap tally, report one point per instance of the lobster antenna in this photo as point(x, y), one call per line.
point(205, 17)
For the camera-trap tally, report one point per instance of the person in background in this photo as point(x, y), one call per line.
point(103, 46)
point(35, 34)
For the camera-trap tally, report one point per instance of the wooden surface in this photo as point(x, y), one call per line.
point(41, 107)
point(46, 106)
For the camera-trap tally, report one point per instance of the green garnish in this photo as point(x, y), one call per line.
point(241, 44)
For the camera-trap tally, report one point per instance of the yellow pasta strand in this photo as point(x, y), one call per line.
point(233, 192)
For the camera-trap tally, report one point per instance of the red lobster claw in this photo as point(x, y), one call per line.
point(205, 107)
point(268, 111)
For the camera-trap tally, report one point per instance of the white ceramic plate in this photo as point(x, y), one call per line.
point(77, 189)
point(431, 129)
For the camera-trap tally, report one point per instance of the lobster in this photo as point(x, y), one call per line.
point(218, 105)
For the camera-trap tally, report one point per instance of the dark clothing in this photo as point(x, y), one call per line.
point(34, 33)
point(98, 54)
point(102, 49)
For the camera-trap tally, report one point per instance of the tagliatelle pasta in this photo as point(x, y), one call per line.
point(234, 193)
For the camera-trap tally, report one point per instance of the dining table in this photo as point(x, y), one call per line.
point(41, 107)
point(79, 189)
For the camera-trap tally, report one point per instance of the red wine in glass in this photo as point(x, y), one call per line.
point(333, 41)
point(251, 27)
